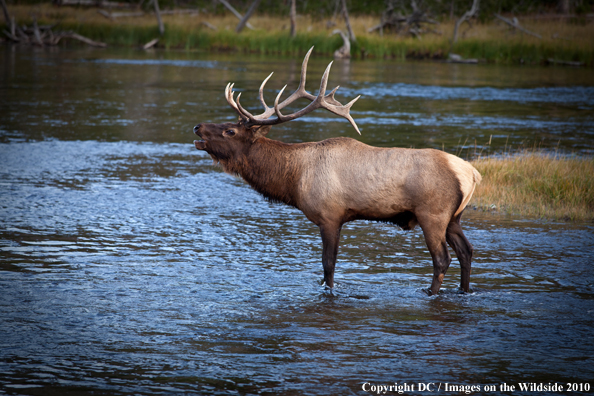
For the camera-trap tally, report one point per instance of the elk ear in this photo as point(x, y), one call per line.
point(261, 130)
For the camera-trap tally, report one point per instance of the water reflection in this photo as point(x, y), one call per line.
point(129, 264)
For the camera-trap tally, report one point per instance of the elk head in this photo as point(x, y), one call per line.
point(229, 140)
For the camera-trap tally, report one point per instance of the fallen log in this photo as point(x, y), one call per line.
point(564, 63)
point(455, 58)
point(209, 25)
point(150, 44)
point(114, 15)
point(78, 37)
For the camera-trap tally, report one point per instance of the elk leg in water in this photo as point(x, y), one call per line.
point(434, 231)
point(457, 240)
point(330, 239)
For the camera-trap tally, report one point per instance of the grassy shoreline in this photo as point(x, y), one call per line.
point(537, 184)
point(489, 42)
point(530, 183)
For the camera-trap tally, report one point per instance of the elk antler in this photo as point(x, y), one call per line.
point(324, 101)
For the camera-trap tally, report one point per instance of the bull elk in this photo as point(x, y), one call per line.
point(341, 179)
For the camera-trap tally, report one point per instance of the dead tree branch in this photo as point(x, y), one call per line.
point(234, 12)
point(516, 25)
point(247, 16)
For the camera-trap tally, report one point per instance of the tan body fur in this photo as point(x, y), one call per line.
point(341, 179)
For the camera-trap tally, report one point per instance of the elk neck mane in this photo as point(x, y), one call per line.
point(270, 167)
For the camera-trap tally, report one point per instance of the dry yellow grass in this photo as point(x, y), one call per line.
point(537, 184)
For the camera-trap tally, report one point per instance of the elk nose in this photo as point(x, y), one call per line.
point(197, 127)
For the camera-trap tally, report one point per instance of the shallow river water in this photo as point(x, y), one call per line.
point(129, 264)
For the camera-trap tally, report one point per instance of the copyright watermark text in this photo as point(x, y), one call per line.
point(446, 387)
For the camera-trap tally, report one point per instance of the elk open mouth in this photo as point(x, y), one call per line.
point(200, 144)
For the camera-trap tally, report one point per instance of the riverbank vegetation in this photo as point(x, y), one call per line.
point(568, 40)
point(533, 183)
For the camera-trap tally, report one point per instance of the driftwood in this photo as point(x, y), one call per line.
point(78, 37)
point(43, 35)
point(209, 25)
point(455, 58)
point(516, 25)
point(564, 63)
point(150, 44)
point(234, 12)
point(114, 15)
point(133, 14)
point(345, 50)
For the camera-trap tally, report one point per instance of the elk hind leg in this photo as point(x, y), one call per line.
point(330, 239)
point(434, 231)
point(457, 240)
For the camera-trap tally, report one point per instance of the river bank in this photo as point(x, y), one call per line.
point(562, 41)
point(536, 184)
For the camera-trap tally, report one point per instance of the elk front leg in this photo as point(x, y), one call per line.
point(330, 239)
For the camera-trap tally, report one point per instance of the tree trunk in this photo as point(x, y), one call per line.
point(467, 15)
point(234, 12)
point(564, 6)
point(247, 16)
point(159, 20)
point(6, 16)
point(293, 18)
point(345, 13)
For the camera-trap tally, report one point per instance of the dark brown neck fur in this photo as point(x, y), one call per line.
point(271, 169)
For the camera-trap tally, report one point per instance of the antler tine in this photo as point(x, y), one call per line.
point(276, 107)
point(317, 102)
point(244, 111)
point(229, 97)
point(322, 100)
point(299, 93)
point(262, 91)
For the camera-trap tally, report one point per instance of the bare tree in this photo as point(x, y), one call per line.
point(159, 20)
point(234, 12)
point(467, 15)
point(347, 21)
point(293, 18)
point(247, 16)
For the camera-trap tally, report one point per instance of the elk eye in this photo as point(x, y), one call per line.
point(230, 132)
